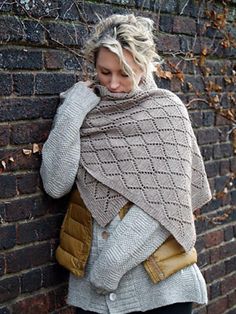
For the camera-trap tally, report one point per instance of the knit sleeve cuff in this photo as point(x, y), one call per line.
point(78, 101)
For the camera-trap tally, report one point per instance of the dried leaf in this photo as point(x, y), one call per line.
point(212, 86)
point(4, 165)
point(163, 74)
point(35, 148)
point(190, 85)
point(27, 152)
point(204, 51)
point(234, 140)
point(180, 75)
point(202, 60)
point(225, 43)
point(11, 159)
point(227, 80)
point(216, 99)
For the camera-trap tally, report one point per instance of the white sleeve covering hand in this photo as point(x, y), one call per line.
point(137, 236)
point(61, 151)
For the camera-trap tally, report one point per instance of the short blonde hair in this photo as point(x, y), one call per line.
point(119, 32)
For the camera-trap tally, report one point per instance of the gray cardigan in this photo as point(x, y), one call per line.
point(115, 280)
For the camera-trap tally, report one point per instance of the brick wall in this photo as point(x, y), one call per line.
point(40, 57)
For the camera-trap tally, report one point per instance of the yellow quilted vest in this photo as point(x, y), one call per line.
point(76, 239)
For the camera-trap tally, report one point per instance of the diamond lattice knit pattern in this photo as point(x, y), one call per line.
point(141, 147)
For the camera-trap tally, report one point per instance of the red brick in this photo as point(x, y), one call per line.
point(9, 289)
point(21, 59)
point(214, 272)
point(4, 135)
point(215, 255)
point(2, 264)
point(232, 299)
point(37, 304)
point(222, 151)
point(167, 43)
point(23, 84)
point(24, 133)
point(203, 259)
point(41, 229)
point(207, 136)
point(218, 306)
point(12, 28)
point(29, 257)
point(224, 167)
point(228, 284)
point(53, 83)
point(230, 265)
point(6, 84)
point(53, 275)
point(201, 310)
point(19, 209)
point(53, 59)
point(214, 238)
point(215, 290)
point(31, 281)
point(184, 25)
point(27, 183)
point(7, 186)
point(228, 249)
point(233, 164)
point(7, 236)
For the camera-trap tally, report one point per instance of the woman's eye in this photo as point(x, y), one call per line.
point(105, 73)
point(124, 75)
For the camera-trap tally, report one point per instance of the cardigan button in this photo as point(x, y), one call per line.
point(105, 235)
point(112, 296)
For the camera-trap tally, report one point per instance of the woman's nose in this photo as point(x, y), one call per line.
point(114, 83)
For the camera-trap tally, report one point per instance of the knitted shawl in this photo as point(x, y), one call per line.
point(140, 147)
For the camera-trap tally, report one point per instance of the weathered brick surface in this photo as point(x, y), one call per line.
point(28, 257)
point(8, 237)
point(219, 306)
point(23, 83)
point(8, 186)
point(21, 59)
point(31, 281)
point(53, 83)
point(179, 25)
point(9, 288)
point(36, 64)
point(214, 238)
point(6, 84)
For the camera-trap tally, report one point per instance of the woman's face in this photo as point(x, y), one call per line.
point(110, 73)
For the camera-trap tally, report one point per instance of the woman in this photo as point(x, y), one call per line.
point(124, 141)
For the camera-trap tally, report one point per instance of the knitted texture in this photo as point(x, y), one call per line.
point(129, 242)
point(141, 147)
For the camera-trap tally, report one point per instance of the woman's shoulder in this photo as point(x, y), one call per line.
point(166, 93)
point(170, 101)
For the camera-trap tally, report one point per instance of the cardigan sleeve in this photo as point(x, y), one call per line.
point(136, 237)
point(61, 151)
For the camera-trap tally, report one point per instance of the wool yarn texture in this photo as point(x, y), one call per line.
point(140, 147)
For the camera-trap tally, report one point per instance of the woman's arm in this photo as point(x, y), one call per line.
point(61, 151)
point(136, 237)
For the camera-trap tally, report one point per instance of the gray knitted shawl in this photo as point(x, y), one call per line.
point(141, 147)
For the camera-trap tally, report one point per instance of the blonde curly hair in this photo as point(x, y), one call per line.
point(118, 32)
